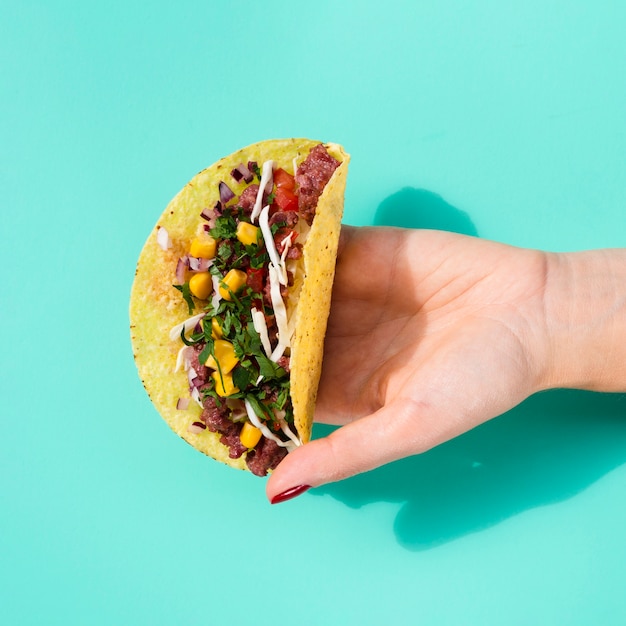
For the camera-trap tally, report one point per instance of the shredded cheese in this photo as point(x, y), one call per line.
point(271, 246)
point(285, 428)
point(278, 305)
point(266, 180)
point(215, 299)
point(254, 418)
point(260, 325)
point(188, 324)
point(181, 358)
point(286, 242)
point(195, 394)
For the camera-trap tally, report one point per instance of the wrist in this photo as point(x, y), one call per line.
point(585, 320)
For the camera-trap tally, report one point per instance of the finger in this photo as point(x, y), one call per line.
point(345, 235)
point(403, 428)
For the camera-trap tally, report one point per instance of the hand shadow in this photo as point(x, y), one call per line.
point(419, 208)
point(549, 448)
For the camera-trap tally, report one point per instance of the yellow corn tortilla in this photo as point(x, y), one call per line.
point(156, 307)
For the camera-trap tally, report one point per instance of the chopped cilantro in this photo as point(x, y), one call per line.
point(184, 289)
point(225, 250)
point(268, 369)
point(259, 408)
point(241, 376)
point(225, 226)
point(258, 256)
point(207, 351)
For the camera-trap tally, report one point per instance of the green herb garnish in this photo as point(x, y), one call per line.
point(184, 289)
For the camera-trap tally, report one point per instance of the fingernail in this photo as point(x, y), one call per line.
point(290, 493)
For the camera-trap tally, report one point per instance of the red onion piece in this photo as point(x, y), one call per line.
point(241, 171)
point(194, 263)
point(226, 193)
point(196, 428)
point(182, 404)
point(198, 264)
point(210, 215)
point(181, 266)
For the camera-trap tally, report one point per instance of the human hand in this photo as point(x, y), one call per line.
point(430, 334)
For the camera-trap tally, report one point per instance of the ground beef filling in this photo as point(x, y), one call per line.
point(217, 420)
point(311, 177)
point(265, 457)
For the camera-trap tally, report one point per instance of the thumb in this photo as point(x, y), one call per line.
point(393, 432)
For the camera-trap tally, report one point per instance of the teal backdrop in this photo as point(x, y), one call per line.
point(505, 120)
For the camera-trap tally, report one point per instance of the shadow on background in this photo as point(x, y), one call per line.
point(547, 449)
point(419, 208)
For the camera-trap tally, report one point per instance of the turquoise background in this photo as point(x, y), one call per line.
point(501, 119)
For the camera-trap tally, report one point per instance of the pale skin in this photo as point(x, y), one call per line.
point(433, 333)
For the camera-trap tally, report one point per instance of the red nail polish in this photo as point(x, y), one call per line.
point(290, 493)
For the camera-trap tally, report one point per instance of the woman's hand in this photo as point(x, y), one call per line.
point(430, 334)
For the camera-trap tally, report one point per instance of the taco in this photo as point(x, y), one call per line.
point(231, 298)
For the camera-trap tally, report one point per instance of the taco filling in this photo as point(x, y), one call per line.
point(241, 278)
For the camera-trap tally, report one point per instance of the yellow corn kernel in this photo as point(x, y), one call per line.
point(250, 435)
point(247, 233)
point(216, 329)
point(227, 388)
point(233, 281)
point(201, 285)
point(203, 248)
point(224, 355)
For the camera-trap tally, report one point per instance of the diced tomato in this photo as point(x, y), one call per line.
point(285, 200)
point(283, 179)
point(255, 279)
